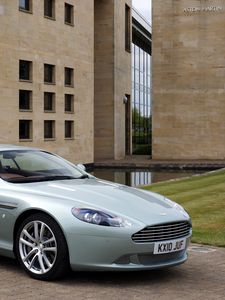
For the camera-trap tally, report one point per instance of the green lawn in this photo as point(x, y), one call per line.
point(204, 198)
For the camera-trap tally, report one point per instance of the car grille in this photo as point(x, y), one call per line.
point(162, 232)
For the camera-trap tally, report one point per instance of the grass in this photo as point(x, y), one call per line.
point(204, 199)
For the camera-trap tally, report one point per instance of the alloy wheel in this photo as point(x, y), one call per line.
point(37, 247)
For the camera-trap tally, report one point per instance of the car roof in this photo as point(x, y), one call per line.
point(6, 147)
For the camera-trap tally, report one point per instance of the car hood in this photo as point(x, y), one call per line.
point(147, 207)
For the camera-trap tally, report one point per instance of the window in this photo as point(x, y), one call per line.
point(49, 102)
point(69, 14)
point(69, 103)
point(141, 100)
point(69, 132)
point(25, 129)
point(30, 163)
point(25, 100)
point(25, 70)
point(49, 129)
point(25, 5)
point(49, 8)
point(49, 73)
point(69, 77)
point(127, 29)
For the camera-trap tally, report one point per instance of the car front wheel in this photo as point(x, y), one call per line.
point(41, 247)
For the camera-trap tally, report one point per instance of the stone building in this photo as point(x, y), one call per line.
point(66, 80)
point(122, 80)
point(112, 76)
point(46, 61)
point(188, 79)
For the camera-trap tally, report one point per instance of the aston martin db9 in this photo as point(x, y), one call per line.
point(55, 216)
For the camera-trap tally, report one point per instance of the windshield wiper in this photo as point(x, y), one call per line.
point(83, 177)
point(39, 178)
point(56, 177)
point(44, 178)
point(64, 177)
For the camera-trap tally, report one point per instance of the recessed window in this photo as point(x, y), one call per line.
point(69, 132)
point(69, 103)
point(49, 129)
point(49, 102)
point(127, 28)
point(25, 5)
point(69, 77)
point(49, 73)
point(69, 19)
point(25, 70)
point(25, 129)
point(49, 9)
point(25, 100)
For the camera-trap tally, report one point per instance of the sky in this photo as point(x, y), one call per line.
point(144, 7)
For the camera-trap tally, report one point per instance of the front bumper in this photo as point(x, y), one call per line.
point(115, 253)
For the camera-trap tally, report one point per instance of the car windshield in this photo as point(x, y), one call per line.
point(22, 166)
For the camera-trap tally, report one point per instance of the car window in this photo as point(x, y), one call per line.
point(35, 165)
point(7, 163)
point(34, 162)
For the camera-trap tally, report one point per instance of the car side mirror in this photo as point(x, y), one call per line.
point(81, 167)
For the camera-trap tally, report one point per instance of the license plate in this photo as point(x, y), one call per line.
point(169, 246)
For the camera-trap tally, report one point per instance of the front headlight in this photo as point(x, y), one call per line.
point(97, 217)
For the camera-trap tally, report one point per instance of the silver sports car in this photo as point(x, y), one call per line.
point(55, 216)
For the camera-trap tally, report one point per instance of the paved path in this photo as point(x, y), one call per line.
point(202, 277)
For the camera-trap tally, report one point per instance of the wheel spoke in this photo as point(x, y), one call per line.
point(47, 261)
point(42, 231)
point(36, 234)
point(32, 261)
point(52, 239)
point(28, 235)
point(50, 249)
point(26, 243)
point(41, 263)
point(29, 255)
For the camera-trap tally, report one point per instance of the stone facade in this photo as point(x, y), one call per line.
point(35, 38)
point(112, 78)
point(94, 47)
point(188, 79)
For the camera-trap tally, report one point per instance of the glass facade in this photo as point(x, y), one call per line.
point(141, 100)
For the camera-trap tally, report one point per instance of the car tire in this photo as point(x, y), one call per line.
point(41, 247)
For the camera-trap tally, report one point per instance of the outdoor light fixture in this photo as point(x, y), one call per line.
point(125, 99)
